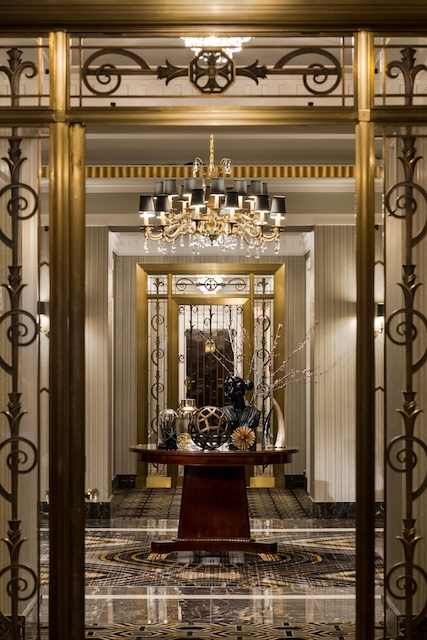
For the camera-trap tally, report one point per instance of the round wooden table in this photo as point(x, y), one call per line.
point(214, 513)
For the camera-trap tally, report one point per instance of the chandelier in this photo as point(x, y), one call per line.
point(229, 45)
point(211, 214)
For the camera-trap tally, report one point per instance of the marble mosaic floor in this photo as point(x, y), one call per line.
point(306, 592)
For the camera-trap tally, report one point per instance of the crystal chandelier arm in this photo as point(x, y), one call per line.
point(172, 231)
point(150, 233)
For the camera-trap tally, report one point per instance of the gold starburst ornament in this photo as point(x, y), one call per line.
point(243, 438)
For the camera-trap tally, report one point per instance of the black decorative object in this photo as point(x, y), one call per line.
point(209, 428)
point(239, 413)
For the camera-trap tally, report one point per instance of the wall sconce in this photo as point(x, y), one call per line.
point(379, 319)
point(43, 313)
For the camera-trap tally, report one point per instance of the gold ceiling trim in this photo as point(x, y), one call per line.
point(249, 16)
point(286, 171)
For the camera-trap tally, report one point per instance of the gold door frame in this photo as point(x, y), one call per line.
point(174, 300)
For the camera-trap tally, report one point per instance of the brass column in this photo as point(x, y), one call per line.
point(67, 295)
point(365, 372)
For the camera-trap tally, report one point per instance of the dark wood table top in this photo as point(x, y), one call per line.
point(146, 453)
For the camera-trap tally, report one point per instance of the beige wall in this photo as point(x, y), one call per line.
point(98, 364)
point(333, 428)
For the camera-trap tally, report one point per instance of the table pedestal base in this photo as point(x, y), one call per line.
point(214, 513)
point(214, 544)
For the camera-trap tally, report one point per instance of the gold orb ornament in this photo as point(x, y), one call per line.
point(209, 428)
point(243, 438)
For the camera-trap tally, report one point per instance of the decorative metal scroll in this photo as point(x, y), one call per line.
point(403, 328)
point(15, 70)
point(157, 356)
point(20, 326)
point(210, 284)
point(409, 70)
point(212, 71)
point(107, 71)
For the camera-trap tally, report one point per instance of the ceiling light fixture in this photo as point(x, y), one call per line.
point(229, 45)
point(210, 213)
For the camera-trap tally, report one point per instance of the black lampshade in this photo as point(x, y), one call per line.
point(197, 198)
point(146, 205)
point(170, 187)
point(278, 206)
point(255, 188)
point(231, 200)
point(162, 204)
point(158, 188)
point(189, 185)
point(240, 186)
point(181, 196)
point(218, 187)
point(262, 204)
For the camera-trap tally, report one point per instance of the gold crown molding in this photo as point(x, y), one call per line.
point(287, 171)
point(165, 17)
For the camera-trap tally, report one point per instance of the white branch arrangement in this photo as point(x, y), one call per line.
point(270, 376)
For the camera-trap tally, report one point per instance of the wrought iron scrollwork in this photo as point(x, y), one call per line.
point(15, 70)
point(105, 73)
point(22, 204)
point(210, 284)
point(403, 328)
point(407, 67)
point(156, 356)
point(213, 71)
point(318, 72)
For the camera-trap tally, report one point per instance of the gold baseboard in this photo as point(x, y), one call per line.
point(155, 482)
point(262, 481)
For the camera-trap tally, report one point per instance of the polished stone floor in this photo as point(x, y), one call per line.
point(283, 597)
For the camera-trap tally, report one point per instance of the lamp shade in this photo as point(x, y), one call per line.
point(181, 196)
point(162, 204)
point(231, 200)
point(240, 186)
point(189, 185)
point(218, 187)
point(158, 188)
point(262, 204)
point(146, 205)
point(255, 188)
point(170, 187)
point(197, 198)
point(278, 206)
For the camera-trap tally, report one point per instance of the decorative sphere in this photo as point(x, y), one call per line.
point(209, 428)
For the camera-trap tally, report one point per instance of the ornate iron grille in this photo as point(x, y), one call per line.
point(26, 71)
point(400, 68)
point(19, 202)
point(406, 200)
point(287, 71)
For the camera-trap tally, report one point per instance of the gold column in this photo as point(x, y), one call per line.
point(365, 381)
point(66, 428)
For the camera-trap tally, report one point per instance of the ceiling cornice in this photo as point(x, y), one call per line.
point(164, 17)
point(285, 171)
